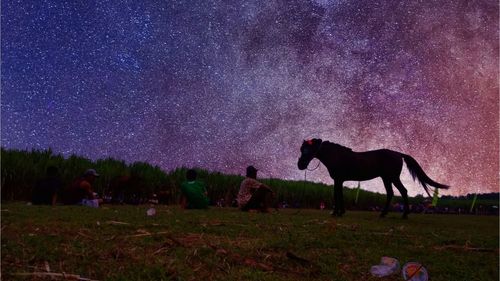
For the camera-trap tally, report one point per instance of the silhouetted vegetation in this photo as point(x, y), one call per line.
point(21, 169)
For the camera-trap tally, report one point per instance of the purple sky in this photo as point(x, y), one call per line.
point(221, 85)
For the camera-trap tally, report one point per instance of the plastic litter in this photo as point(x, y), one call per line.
point(386, 267)
point(151, 212)
point(414, 271)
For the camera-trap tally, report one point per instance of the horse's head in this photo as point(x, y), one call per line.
point(308, 151)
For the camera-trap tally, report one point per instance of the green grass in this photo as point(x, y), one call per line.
point(225, 244)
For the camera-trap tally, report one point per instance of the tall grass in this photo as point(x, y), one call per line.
point(21, 169)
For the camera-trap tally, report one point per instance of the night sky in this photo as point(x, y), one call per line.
point(224, 84)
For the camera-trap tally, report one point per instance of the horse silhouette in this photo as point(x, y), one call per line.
point(343, 164)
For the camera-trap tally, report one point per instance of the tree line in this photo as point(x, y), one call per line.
point(20, 169)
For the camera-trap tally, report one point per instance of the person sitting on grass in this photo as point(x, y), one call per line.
point(194, 193)
point(45, 190)
point(81, 192)
point(89, 196)
point(254, 195)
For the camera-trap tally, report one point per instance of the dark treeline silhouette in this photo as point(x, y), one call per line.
point(137, 182)
point(485, 196)
point(21, 169)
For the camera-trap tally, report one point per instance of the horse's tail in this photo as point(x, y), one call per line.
point(418, 173)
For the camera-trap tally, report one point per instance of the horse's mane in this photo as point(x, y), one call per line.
point(334, 146)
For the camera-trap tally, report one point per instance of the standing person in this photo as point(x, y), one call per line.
point(253, 194)
point(194, 193)
point(81, 191)
point(45, 190)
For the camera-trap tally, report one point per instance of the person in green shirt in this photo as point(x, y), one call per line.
point(194, 193)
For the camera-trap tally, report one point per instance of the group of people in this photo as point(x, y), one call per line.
point(80, 192)
point(252, 195)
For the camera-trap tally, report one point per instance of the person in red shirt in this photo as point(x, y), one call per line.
point(81, 192)
point(89, 196)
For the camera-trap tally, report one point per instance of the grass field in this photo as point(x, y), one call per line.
point(122, 243)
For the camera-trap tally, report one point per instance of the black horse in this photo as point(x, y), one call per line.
point(343, 164)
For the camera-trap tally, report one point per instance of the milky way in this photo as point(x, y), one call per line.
point(224, 84)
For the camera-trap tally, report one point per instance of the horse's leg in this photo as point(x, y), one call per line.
point(334, 202)
point(404, 193)
point(390, 193)
point(337, 196)
point(341, 199)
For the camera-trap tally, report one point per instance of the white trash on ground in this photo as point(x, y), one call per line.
point(386, 267)
point(151, 212)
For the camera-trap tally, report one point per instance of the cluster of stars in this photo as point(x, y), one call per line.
point(224, 85)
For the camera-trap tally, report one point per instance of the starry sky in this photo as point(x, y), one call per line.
point(224, 84)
